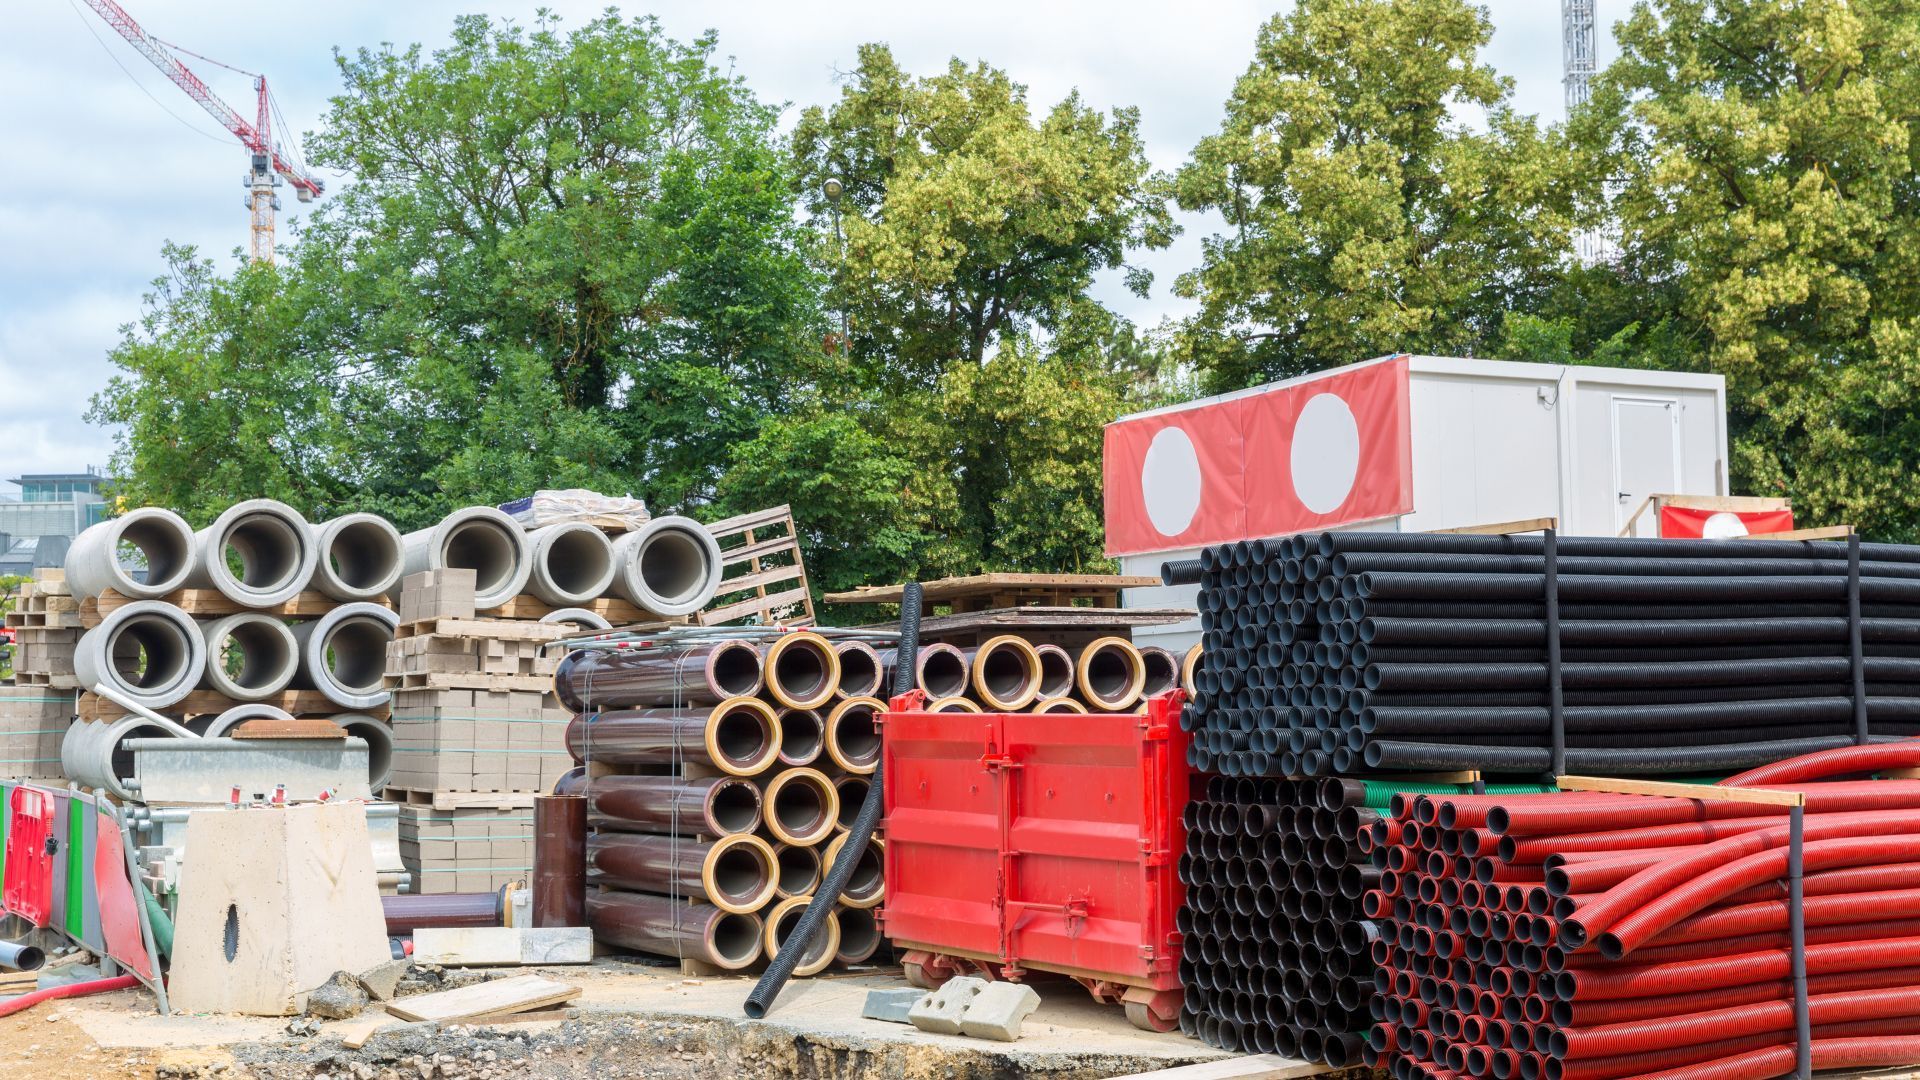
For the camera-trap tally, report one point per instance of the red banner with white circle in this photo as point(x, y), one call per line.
point(1692, 523)
point(1313, 453)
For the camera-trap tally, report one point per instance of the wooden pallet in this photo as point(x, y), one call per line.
point(207, 702)
point(527, 607)
point(988, 592)
point(51, 682)
point(760, 550)
point(44, 604)
point(461, 800)
point(464, 680)
point(212, 603)
point(478, 628)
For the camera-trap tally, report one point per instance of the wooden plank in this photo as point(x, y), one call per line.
point(303, 727)
point(744, 608)
point(203, 702)
point(756, 519)
point(361, 1028)
point(760, 580)
point(467, 680)
point(1501, 528)
point(212, 602)
point(490, 629)
point(518, 994)
point(1702, 792)
point(1251, 1067)
point(976, 584)
point(1729, 503)
point(1825, 532)
point(527, 606)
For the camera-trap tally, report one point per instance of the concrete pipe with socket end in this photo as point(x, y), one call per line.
point(1188, 665)
point(803, 736)
point(1111, 674)
point(670, 927)
point(1160, 670)
point(939, 669)
point(476, 538)
point(576, 616)
point(670, 566)
point(357, 557)
point(802, 670)
point(148, 651)
point(1056, 671)
point(221, 725)
point(868, 884)
point(853, 737)
point(739, 736)
point(852, 792)
point(797, 870)
point(780, 923)
point(343, 654)
point(379, 740)
point(953, 704)
point(859, 935)
point(257, 553)
point(1005, 673)
point(162, 539)
point(861, 672)
point(571, 563)
point(1058, 705)
point(801, 806)
point(734, 873)
point(250, 656)
point(93, 754)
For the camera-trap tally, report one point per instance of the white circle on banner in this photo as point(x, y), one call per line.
point(1326, 453)
point(1723, 526)
point(1170, 481)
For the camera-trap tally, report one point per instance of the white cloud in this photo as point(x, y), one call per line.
point(94, 175)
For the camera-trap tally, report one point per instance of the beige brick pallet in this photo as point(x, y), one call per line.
point(36, 711)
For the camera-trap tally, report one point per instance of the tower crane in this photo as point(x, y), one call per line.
point(267, 160)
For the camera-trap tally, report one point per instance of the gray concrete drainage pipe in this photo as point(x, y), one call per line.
point(669, 567)
point(477, 538)
point(358, 557)
point(257, 553)
point(163, 539)
point(343, 654)
point(149, 651)
point(572, 563)
point(250, 656)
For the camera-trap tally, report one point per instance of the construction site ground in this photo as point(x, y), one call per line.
point(630, 1021)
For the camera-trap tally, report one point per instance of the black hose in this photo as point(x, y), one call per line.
point(780, 968)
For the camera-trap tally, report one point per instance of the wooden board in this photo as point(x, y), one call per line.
point(526, 606)
point(758, 551)
point(467, 680)
point(211, 602)
point(361, 1028)
point(486, 629)
point(1252, 1067)
point(983, 592)
point(1826, 532)
point(205, 702)
point(461, 800)
point(1668, 789)
point(518, 994)
point(1505, 528)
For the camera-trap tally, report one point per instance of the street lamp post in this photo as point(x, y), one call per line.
point(833, 189)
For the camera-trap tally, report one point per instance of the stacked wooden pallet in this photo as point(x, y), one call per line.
point(37, 709)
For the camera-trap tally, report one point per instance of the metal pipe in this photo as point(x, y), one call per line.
point(559, 860)
point(407, 912)
point(668, 927)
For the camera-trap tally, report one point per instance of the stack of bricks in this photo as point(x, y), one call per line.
point(36, 711)
point(477, 734)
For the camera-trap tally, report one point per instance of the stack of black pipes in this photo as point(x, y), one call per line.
point(1275, 954)
point(1337, 653)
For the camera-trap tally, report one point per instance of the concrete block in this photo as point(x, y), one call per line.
point(996, 1011)
point(940, 1011)
point(891, 1005)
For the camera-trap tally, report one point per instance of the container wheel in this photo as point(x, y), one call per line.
point(916, 975)
point(1144, 1018)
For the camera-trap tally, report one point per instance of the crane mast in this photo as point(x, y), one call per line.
point(266, 164)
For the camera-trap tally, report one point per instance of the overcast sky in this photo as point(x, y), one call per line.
point(95, 174)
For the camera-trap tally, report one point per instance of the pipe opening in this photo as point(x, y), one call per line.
point(152, 542)
point(800, 806)
point(356, 654)
point(379, 742)
point(740, 873)
point(943, 671)
point(673, 565)
point(148, 652)
point(735, 668)
point(1161, 670)
point(262, 551)
point(1109, 673)
point(1056, 671)
point(362, 554)
point(859, 669)
point(803, 669)
point(1005, 672)
point(818, 950)
point(859, 935)
point(256, 654)
point(868, 876)
point(797, 870)
point(803, 736)
point(736, 939)
point(579, 560)
point(741, 735)
point(855, 735)
point(120, 761)
point(483, 546)
point(853, 795)
point(734, 806)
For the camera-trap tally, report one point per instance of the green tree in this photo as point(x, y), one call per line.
point(1365, 212)
point(1766, 166)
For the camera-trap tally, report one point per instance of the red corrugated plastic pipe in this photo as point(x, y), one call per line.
point(1630, 932)
point(1828, 882)
point(1612, 1068)
point(1595, 1013)
point(1640, 1036)
point(1779, 1060)
point(1628, 896)
point(1824, 764)
point(1525, 816)
point(1770, 915)
point(1778, 939)
point(1686, 976)
point(79, 989)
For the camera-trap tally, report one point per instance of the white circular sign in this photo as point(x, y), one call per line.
point(1723, 526)
point(1326, 453)
point(1170, 481)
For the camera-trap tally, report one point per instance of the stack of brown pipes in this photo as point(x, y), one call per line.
point(719, 778)
point(1011, 674)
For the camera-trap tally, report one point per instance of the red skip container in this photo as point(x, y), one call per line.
point(1021, 842)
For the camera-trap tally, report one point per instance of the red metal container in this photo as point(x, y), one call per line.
point(1047, 842)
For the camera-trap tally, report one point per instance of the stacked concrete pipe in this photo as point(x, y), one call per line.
point(669, 567)
point(271, 542)
point(478, 538)
point(358, 557)
point(163, 538)
point(343, 654)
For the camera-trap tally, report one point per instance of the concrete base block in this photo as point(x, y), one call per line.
point(891, 1005)
point(996, 1011)
point(940, 1012)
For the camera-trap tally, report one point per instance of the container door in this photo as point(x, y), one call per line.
point(1646, 456)
point(943, 801)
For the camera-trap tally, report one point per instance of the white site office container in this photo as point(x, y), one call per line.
point(1495, 440)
